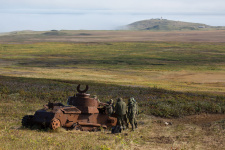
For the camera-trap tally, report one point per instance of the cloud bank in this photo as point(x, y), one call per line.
point(102, 14)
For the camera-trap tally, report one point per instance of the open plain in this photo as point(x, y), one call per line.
point(176, 77)
point(112, 36)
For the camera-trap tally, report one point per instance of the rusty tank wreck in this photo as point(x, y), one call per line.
point(82, 113)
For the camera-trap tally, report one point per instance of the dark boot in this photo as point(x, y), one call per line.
point(135, 125)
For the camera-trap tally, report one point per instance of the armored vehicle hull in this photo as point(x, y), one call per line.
point(85, 114)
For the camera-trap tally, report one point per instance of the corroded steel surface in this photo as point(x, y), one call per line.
point(85, 114)
point(84, 103)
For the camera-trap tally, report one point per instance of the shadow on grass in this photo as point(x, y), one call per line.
point(151, 100)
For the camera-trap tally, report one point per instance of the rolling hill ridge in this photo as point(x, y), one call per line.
point(168, 25)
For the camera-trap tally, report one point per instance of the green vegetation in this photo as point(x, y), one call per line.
point(168, 79)
point(23, 96)
point(152, 101)
point(168, 25)
point(119, 64)
point(149, 55)
point(168, 65)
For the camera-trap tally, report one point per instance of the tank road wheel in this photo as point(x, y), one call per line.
point(55, 123)
point(27, 121)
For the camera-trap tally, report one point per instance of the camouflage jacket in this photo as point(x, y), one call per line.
point(110, 108)
point(120, 108)
point(132, 108)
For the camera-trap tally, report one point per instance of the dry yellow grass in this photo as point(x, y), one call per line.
point(193, 132)
point(173, 80)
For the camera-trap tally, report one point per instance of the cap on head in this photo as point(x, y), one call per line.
point(131, 100)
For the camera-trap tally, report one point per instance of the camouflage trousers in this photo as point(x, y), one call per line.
point(122, 121)
point(133, 121)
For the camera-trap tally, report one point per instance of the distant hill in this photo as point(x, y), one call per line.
point(167, 25)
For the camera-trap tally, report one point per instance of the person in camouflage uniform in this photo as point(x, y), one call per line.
point(110, 107)
point(132, 112)
point(120, 111)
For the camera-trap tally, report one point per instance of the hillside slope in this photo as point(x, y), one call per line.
point(167, 25)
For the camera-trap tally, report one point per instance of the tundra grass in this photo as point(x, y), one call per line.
point(170, 65)
point(163, 103)
point(21, 96)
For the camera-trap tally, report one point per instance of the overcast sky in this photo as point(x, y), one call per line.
point(42, 15)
